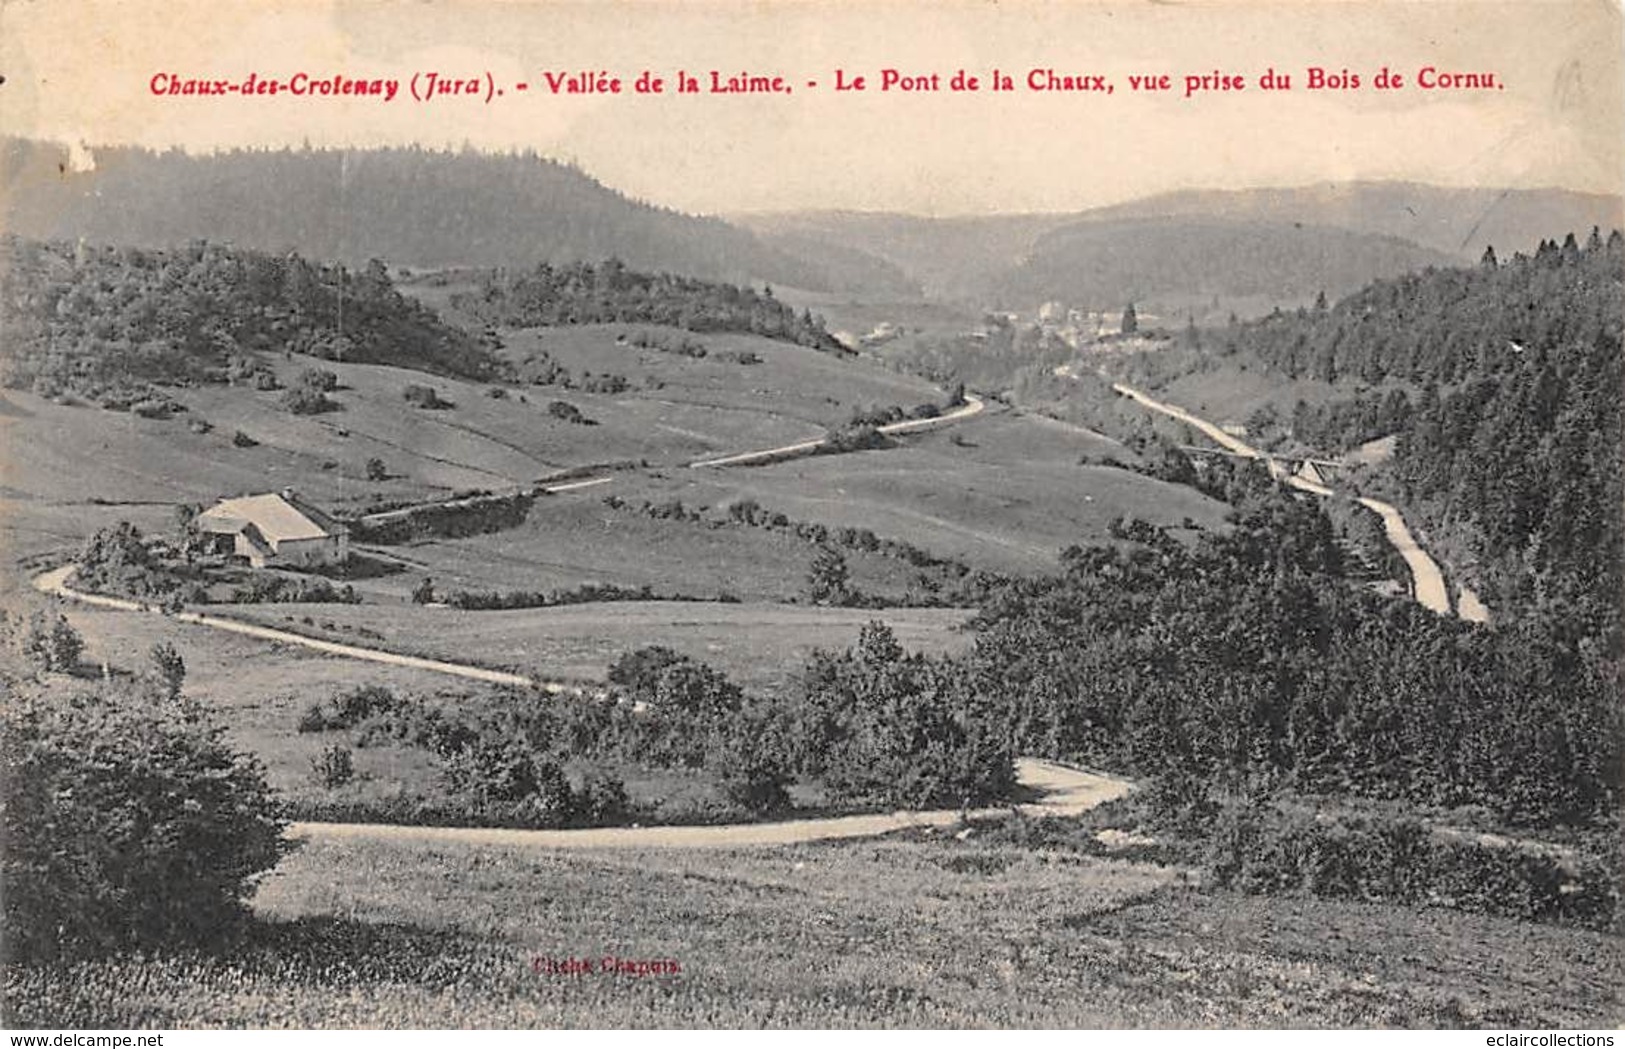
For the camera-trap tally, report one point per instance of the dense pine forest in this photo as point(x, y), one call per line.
point(607, 292)
point(104, 323)
point(1502, 382)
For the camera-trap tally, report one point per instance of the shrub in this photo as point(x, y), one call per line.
point(507, 781)
point(128, 823)
point(242, 440)
point(308, 394)
point(333, 767)
point(422, 396)
point(376, 470)
point(610, 384)
point(314, 719)
point(601, 800)
point(568, 412)
point(170, 667)
point(44, 639)
point(750, 770)
point(355, 706)
point(827, 578)
point(640, 671)
point(1261, 848)
point(857, 437)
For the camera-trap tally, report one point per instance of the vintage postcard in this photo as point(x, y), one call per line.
point(817, 515)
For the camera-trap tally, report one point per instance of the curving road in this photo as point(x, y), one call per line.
point(1064, 791)
point(55, 582)
point(1430, 590)
point(972, 406)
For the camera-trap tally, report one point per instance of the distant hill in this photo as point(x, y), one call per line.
point(405, 206)
point(1017, 259)
point(1460, 222)
point(951, 258)
point(1104, 264)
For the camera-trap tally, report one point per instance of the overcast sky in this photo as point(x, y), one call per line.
point(82, 72)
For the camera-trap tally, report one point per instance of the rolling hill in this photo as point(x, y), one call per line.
point(1456, 221)
point(408, 206)
point(1174, 262)
point(1348, 233)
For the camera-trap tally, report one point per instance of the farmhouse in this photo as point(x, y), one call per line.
point(276, 529)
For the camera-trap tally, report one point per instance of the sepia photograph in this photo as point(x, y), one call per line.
point(814, 515)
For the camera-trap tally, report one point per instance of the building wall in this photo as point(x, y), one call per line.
point(243, 548)
point(326, 550)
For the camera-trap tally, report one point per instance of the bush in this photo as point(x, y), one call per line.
point(1261, 848)
point(333, 767)
point(242, 440)
point(602, 800)
point(128, 823)
point(750, 770)
point(506, 780)
point(857, 437)
point(610, 384)
point(422, 396)
point(569, 413)
point(308, 394)
point(44, 639)
point(376, 470)
point(170, 668)
point(640, 671)
point(314, 719)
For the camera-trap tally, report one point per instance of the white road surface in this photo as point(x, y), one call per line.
point(1064, 791)
point(972, 406)
point(1431, 592)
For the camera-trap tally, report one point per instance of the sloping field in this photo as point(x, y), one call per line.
point(574, 539)
point(791, 382)
point(260, 688)
point(932, 932)
point(759, 645)
point(677, 409)
point(1002, 492)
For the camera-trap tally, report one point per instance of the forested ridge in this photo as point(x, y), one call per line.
point(1248, 663)
point(605, 292)
point(1502, 383)
point(104, 323)
point(1104, 263)
point(410, 206)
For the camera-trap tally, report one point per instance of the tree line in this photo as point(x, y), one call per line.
point(108, 323)
point(609, 292)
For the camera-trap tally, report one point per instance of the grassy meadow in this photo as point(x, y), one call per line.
point(925, 932)
point(260, 688)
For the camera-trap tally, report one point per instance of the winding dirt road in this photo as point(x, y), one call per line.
point(55, 582)
point(1066, 792)
point(1430, 590)
point(972, 406)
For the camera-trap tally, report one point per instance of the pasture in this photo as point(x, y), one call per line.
point(259, 688)
point(927, 932)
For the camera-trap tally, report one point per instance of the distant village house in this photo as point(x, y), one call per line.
point(277, 529)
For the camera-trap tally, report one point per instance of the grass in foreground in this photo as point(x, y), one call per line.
point(932, 932)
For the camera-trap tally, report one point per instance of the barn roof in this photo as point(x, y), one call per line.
point(277, 516)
